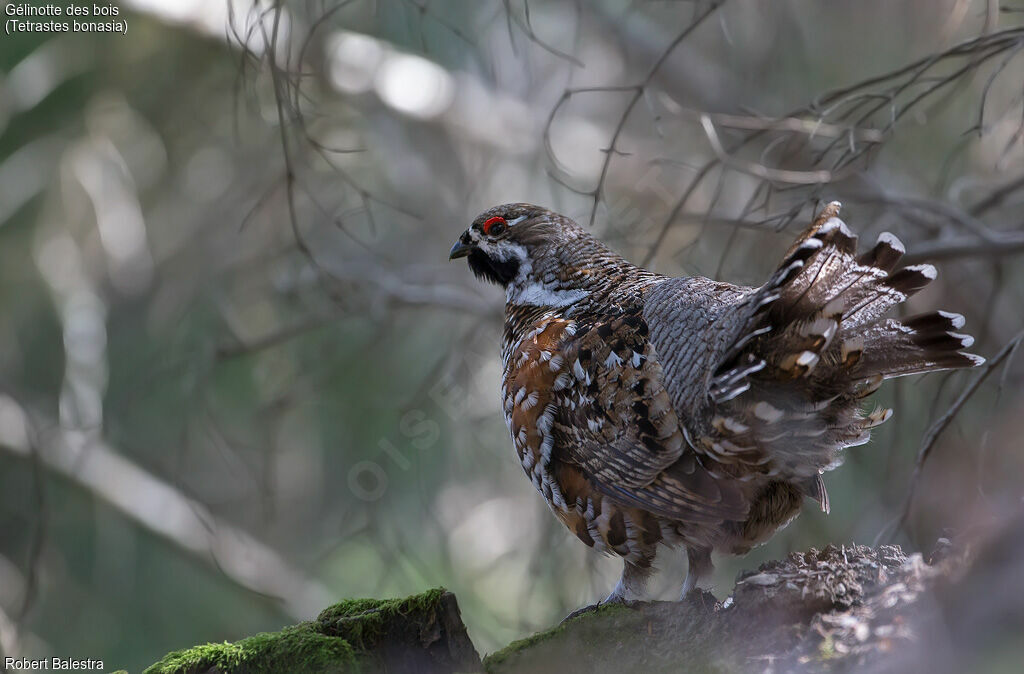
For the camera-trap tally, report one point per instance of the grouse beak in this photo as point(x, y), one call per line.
point(461, 248)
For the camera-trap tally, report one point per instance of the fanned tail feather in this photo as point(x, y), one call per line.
point(790, 389)
point(832, 310)
point(922, 344)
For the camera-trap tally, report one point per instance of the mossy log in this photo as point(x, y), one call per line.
point(842, 609)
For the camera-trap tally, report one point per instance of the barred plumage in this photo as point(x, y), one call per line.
point(685, 411)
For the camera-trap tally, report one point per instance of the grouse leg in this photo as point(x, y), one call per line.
point(632, 586)
point(699, 567)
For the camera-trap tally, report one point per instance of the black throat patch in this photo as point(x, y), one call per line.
point(496, 271)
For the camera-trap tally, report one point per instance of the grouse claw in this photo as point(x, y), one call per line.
point(593, 608)
point(582, 611)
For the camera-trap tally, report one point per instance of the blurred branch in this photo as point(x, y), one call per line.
point(997, 197)
point(638, 92)
point(269, 341)
point(848, 101)
point(526, 27)
point(805, 126)
point(933, 207)
point(38, 540)
point(423, 10)
point(295, 138)
point(998, 245)
point(376, 277)
point(852, 107)
point(15, 640)
point(376, 281)
point(184, 522)
point(24, 172)
point(8, 636)
point(280, 96)
point(936, 429)
point(760, 170)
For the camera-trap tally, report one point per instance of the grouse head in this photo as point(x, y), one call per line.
point(536, 255)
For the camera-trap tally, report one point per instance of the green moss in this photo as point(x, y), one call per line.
point(498, 658)
point(362, 621)
point(334, 642)
point(827, 649)
point(351, 607)
point(300, 645)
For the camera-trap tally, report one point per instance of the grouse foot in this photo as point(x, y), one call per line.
point(630, 603)
point(583, 611)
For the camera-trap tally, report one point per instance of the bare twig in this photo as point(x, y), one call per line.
point(852, 107)
point(526, 27)
point(760, 170)
point(637, 93)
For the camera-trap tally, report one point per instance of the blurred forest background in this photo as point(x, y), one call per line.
point(239, 378)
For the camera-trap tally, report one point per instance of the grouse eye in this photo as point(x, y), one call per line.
point(494, 226)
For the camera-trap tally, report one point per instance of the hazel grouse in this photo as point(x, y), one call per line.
point(688, 412)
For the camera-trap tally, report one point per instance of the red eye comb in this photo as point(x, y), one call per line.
point(490, 222)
